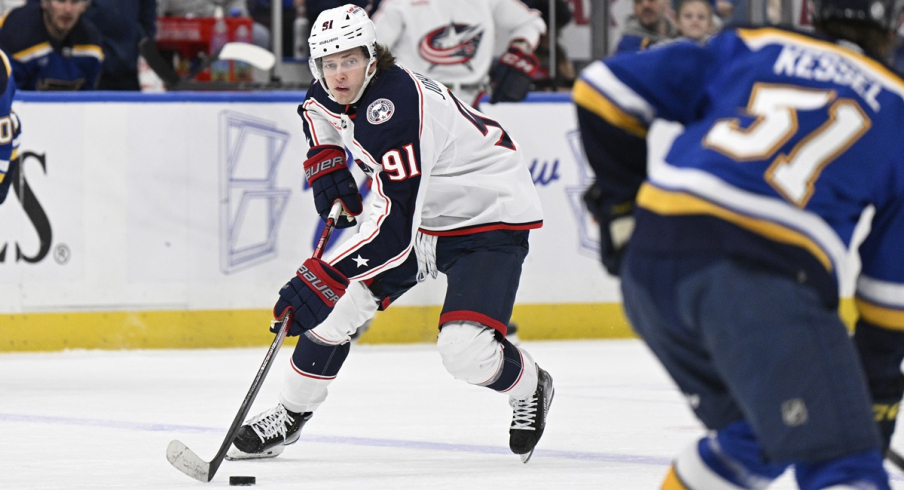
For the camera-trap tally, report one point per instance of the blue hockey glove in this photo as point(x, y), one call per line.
point(513, 74)
point(330, 178)
point(311, 295)
point(616, 226)
point(7, 178)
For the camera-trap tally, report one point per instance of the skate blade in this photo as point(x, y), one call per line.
point(236, 454)
point(526, 456)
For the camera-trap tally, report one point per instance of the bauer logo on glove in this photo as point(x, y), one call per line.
point(320, 287)
point(317, 169)
point(310, 295)
point(331, 181)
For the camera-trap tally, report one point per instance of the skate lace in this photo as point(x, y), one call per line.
point(271, 423)
point(525, 413)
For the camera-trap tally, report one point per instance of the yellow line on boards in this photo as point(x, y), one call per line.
point(115, 330)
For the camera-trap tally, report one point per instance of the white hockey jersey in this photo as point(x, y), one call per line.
point(452, 41)
point(437, 165)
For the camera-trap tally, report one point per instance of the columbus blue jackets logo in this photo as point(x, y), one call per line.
point(454, 44)
point(379, 111)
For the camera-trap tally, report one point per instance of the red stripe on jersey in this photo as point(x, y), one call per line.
point(420, 130)
point(311, 125)
point(482, 228)
point(472, 316)
point(326, 113)
point(392, 262)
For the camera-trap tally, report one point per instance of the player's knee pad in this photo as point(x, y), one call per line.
point(356, 307)
point(470, 352)
point(731, 459)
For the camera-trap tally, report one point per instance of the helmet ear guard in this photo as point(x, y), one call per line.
point(340, 29)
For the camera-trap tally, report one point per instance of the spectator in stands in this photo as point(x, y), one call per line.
point(259, 10)
point(207, 8)
point(453, 42)
point(649, 24)
point(122, 25)
point(695, 20)
point(565, 71)
point(51, 46)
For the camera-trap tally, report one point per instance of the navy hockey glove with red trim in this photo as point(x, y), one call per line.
point(513, 75)
point(330, 178)
point(311, 294)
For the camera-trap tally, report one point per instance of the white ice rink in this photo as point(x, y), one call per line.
point(394, 420)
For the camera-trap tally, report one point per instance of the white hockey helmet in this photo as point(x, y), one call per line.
point(340, 29)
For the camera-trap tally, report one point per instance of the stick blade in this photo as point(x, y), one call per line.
point(249, 53)
point(186, 461)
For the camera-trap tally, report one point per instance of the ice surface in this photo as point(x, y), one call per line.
point(395, 419)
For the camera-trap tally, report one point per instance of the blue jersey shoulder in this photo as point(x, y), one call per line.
point(389, 113)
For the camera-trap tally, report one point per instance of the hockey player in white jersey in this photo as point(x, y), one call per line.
point(453, 42)
point(452, 195)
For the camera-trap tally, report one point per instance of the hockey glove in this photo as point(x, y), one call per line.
point(7, 178)
point(330, 178)
point(513, 74)
point(881, 353)
point(616, 226)
point(311, 295)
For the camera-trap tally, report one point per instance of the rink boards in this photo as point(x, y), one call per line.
point(171, 220)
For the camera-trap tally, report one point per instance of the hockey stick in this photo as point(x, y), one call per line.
point(183, 458)
point(253, 55)
point(895, 458)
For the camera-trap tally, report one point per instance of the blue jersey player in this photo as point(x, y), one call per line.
point(452, 194)
point(732, 247)
point(51, 46)
point(9, 128)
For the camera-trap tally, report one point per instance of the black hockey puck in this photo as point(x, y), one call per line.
point(242, 481)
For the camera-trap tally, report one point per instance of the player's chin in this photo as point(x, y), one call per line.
point(343, 96)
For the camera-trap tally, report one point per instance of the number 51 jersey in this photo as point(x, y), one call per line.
point(788, 138)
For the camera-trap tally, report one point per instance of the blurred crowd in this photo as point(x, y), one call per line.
point(94, 44)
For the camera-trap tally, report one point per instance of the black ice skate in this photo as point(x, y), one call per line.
point(267, 434)
point(529, 418)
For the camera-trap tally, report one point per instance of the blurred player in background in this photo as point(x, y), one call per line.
point(452, 194)
point(740, 236)
point(52, 46)
point(453, 42)
point(9, 129)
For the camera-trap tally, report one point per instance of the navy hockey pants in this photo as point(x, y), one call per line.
point(483, 272)
point(743, 342)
